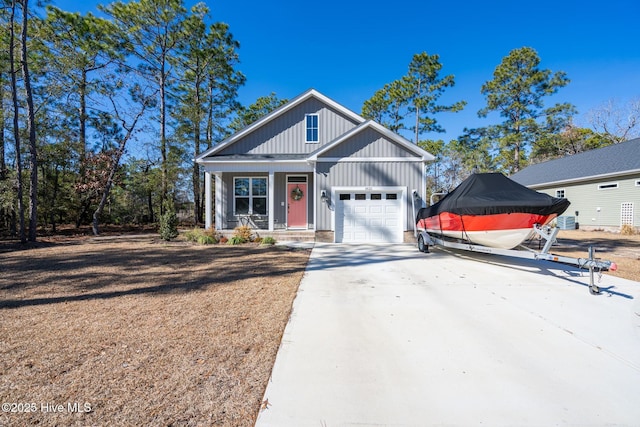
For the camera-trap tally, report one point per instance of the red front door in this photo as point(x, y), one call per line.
point(297, 205)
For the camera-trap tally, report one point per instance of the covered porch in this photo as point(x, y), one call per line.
point(272, 197)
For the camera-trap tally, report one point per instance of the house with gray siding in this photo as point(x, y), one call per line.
point(314, 165)
point(603, 185)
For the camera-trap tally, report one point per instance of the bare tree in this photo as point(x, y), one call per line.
point(617, 122)
point(145, 102)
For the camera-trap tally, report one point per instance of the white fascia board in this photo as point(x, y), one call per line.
point(584, 178)
point(314, 156)
point(370, 159)
point(311, 93)
point(258, 166)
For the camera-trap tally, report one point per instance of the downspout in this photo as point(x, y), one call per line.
point(414, 198)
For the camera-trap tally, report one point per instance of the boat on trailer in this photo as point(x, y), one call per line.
point(489, 213)
point(491, 210)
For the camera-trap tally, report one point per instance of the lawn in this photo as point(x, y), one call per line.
point(141, 332)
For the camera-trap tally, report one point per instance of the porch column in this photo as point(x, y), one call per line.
point(207, 200)
point(219, 205)
point(271, 207)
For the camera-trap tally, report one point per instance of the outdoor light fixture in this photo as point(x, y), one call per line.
point(323, 196)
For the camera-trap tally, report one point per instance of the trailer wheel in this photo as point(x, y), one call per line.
point(422, 246)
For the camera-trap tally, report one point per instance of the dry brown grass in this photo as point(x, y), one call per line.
point(145, 333)
point(624, 250)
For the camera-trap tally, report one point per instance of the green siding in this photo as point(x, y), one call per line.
point(600, 207)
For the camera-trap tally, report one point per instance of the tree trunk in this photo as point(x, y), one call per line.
point(163, 137)
point(196, 167)
point(83, 120)
point(95, 224)
point(16, 121)
point(4, 219)
point(31, 129)
point(3, 164)
point(84, 201)
point(56, 186)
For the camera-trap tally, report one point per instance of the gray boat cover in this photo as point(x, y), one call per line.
point(494, 193)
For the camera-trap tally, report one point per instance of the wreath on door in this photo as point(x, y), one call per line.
point(296, 194)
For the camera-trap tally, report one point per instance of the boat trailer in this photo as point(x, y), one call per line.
point(546, 233)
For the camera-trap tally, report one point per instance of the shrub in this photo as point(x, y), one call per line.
point(192, 235)
point(244, 232)
point(236, 240)
point(627, 230)
point(168, 225)
point(268, 241)
point(257, 240)
point(212, 232)
point(205, 239)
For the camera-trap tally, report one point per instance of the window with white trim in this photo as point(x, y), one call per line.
point(312, 127)
point(249, 196)
point(560, 194)
point(608, 186)
point(638, 183)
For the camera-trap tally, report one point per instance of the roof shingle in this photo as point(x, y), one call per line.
point(613, 159)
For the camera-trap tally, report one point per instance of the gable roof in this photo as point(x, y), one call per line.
point(613, 160)
point(369, 124)
point(311, 93)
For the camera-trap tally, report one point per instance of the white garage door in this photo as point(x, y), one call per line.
point(369, 217)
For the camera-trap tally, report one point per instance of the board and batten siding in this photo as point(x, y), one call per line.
point(366, 174)
point(600, 208)
point(286, 134)
point(368, 143)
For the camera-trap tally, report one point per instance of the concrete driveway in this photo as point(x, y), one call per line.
point(383, 335)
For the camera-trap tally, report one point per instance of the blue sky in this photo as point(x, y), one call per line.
point(349, 49)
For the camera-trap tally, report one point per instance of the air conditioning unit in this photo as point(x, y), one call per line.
point(566, 222)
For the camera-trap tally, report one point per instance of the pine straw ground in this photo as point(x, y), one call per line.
point(144, 333)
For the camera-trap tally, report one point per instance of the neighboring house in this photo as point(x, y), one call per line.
point(603, 185)
point(314, 165)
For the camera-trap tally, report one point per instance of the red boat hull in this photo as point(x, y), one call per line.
point(505, 230)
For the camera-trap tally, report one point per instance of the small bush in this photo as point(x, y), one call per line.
point(236, 240)
point(168, 225)
point(257, 240)
point(244, 232)
point(268, 241)
point(205, 239)
point(627, 230)
point(192, 235)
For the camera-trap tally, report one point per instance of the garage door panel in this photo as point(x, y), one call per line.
point(367, 220)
